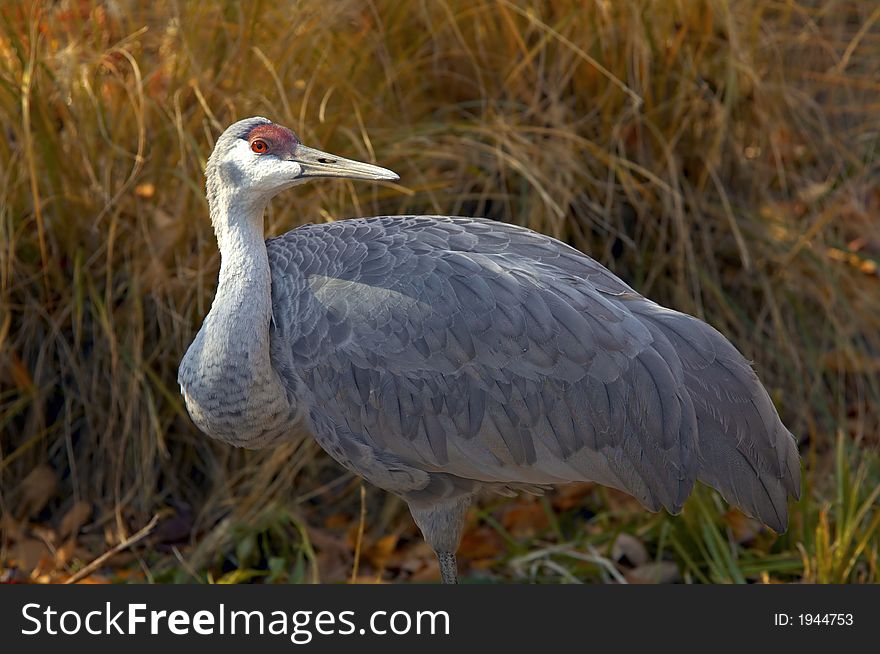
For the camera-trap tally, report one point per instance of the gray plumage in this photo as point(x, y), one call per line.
point(438, 357)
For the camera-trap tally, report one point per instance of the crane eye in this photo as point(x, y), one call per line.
point(259, 146)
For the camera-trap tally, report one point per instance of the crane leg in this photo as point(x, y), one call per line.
point(448, 567)
point(441, 522)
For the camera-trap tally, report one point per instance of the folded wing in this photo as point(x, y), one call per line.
point(492, 353)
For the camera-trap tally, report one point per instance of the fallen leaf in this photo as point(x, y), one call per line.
point(571, 496)
point(480, 543)
point(327, 540)
point(128, 575)
point(30, 554)
point(379, 552)
point(332, 553)
point(525, 519)
point(333, 566)
point(481, 564)
point(410, 559)
point(337, 521)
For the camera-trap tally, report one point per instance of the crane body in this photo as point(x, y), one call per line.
point(438, 357)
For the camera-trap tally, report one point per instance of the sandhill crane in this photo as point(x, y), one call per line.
point(439, 356)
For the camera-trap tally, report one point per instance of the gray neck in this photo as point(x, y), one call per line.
point(231, 389)
point(244, 284)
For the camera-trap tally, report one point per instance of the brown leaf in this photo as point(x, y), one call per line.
point(337, 521)
point(328, 540)
point(480, 543)
point(29, 554)
point(631, 548)
point(411, 559)
point(662, 572)
point(128, 575)
point(481, 564)
point(571, 496)
point(333, 566)
point(37, 489)
point(742, 527)
point(333, 555)
point(379, 552)
point(75, 518)
point(525, 519)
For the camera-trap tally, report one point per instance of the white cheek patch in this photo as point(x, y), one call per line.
point(263, 174)
point(239, 168)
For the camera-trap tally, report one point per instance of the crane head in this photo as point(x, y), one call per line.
point(258, 156)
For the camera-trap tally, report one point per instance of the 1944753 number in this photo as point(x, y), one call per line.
point(813, 619)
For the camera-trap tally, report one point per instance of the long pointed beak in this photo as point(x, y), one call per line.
point(323, 164)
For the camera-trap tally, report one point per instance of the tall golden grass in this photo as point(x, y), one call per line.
point(719, 155)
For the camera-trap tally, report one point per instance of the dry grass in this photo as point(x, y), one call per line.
point(721, 156)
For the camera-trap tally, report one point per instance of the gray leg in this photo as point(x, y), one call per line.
point(448, 567)
point(441, 523)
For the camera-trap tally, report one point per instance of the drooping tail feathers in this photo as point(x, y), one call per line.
point(745, 452)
